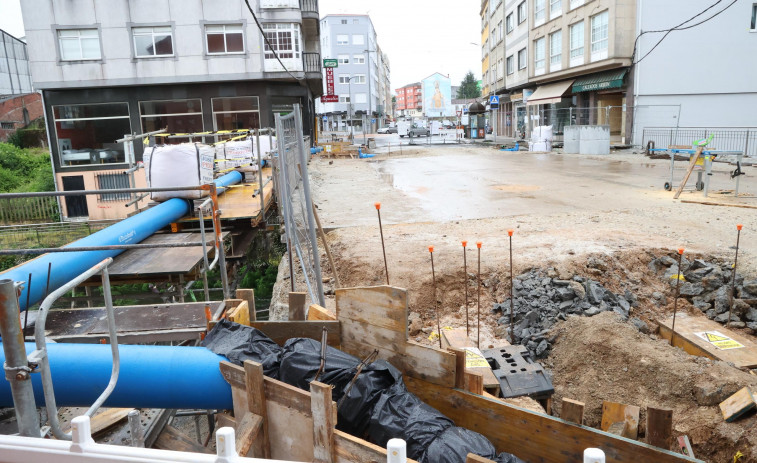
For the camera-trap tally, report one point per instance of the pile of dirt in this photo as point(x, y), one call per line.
point(603, 358)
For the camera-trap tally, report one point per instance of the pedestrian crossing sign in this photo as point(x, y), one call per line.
point(494, 101)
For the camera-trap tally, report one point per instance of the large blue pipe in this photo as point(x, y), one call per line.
point(68, 265)
point(150, 377)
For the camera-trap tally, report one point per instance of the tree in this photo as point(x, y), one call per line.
point(468, 87)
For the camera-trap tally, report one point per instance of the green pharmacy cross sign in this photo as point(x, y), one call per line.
point(330, 63)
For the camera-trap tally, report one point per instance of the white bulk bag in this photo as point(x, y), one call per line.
point(181, 165)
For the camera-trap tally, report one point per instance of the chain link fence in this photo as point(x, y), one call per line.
point(295, 202)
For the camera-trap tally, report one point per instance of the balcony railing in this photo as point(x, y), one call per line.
point(309, 6)
point(312, 61)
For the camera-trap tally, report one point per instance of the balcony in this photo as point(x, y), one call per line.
point(312, 63)
point(309, 9)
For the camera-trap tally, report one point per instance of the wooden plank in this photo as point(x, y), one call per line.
point(257, 404)
point(532, 436)
point(297, 306)
point(323, 422)
point(173, 439)
point(247, 432)
point(459, 367)
point(660, 427)
point(737, 404)
point(105, 419)
point(223, 420)
point(239, 401)
point(689, 170)
point(249, 296)
point(628, 415)
point(383, 306)
point(475, 361)
point(316, 312)
point(280, 332)
point(572, 410)
point(350, 449)
point(239, 314)
point(471, 458)
point(686, 337)
point(291, 433)
point(474, 382)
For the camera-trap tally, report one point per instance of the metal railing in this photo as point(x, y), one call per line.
point(312, 62)
point(48, 234)
point(309, 6)
point(742, 139)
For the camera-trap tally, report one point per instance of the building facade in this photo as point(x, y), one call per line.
point(695, 96)
point(409, 101)
point(115, 67)
point(361, 77)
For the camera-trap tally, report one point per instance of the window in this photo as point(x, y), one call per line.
point(79, 44)
point(501, 68)
point(539, 56)
point(509, 23)
point(344, 99)
point(500, 34)
point(344, 21)
point(359, 79)
point(113, 181)
point(152, 41)
point(359, 59)
point(176, 116)
point(355, 21)
point(358, 39)
point(754, 17)
point(284, 39)
point(7, 125)
point(576, 3)
point(555, 8)
point(577, 44)
point(510, 67)
point(241, 112)
point(342, 39)
point(86, 133)
point(540, 7)
point(555, 51)
point(522, 12)
point(343, 59)
point(344, 78)
point(599, 36)
point(224, 38)
point(522, 59)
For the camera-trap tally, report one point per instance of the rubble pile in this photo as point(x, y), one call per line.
point(707, 285)
point(540, 302)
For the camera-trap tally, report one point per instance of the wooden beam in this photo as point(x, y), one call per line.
point(471, 458)
point(627, 415)
point(281, 332)
point(239, 314)
point(297, 306)
point(249, 296)
point(350, 449)
point(173, 439)
point(459, 366)
point(256, 401)
point(474, 382)
point(316, 312)
point(247, 432)
point(689, 170)
point(105, 419)
point(660, 427)
point(573, 411)
point(737, 404)
point(323, 422)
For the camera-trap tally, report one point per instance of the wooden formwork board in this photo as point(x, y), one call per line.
point(280, 332)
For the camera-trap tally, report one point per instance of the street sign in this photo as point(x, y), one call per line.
point(494, 102)
point(325, 118)
point(373, 121)
point(330, 63)
point(329, 98)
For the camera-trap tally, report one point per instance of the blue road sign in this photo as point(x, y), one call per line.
point(494, 101)
point(373, 121)
point(325, 118)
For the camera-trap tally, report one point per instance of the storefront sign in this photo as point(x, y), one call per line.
point(329, 98)
point(516, 96)
point(330, 63)
point(329, 81)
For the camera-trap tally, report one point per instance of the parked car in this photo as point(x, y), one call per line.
point(418, 132)
point(387, 130)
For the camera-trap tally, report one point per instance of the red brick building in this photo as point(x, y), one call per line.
point(16, 111)
point(409, 101)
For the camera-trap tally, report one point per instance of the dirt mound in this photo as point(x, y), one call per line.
point(604, 358)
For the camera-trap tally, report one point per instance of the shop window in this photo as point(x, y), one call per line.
point(87, 133)
point(283, 105)
point(176, 116)
point(224, 39)
point(79, 44)
point(236, 113)
point(152, 41)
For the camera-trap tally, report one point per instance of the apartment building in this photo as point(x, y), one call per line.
point(18, 105)
point(493, 53)
point(580, 51)
point(359, 77)
point(409, 101)
point(386, 110)
point(112, 67)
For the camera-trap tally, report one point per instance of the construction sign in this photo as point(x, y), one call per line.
point(474, 358)
point(719, 340)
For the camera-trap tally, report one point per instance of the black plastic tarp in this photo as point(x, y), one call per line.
point(239, 343)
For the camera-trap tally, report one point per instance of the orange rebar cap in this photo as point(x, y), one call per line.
point(465, 243)
point(478, 244)
point(430, 249)
point(738, 227)
point(510, 232)
point(378, 205)
point(680, 250)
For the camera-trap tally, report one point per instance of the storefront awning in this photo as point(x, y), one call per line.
point(600, 81)
point(549, 93)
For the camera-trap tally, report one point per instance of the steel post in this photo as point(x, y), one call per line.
point(16, 366)
point(260, 175)
point(219, 241)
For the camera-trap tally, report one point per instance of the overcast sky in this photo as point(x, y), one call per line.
point(420, 37)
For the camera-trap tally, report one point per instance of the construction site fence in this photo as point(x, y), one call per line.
point(28, 210)
point(48, 235)
point(295, 204)
point(728, 139)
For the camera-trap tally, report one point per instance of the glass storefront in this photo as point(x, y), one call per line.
point(86, 134)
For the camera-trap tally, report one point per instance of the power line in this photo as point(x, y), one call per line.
point(267, 42)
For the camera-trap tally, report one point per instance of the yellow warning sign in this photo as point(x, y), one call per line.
point(719, 340)
point(474, 358)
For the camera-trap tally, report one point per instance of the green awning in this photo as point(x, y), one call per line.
point(600, 81)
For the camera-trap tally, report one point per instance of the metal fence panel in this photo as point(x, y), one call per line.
point(295, 200)
point(729, 139)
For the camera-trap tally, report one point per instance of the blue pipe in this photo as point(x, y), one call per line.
point(150, 377)
point(67, 265)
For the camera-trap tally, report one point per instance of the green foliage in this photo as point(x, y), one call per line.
point(25, 169)
point(468, 87)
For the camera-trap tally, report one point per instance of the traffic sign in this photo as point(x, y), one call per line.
point(325, 118)
point(330, 63)
point(494, 102)
point(373, 121)
point(329, 98)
